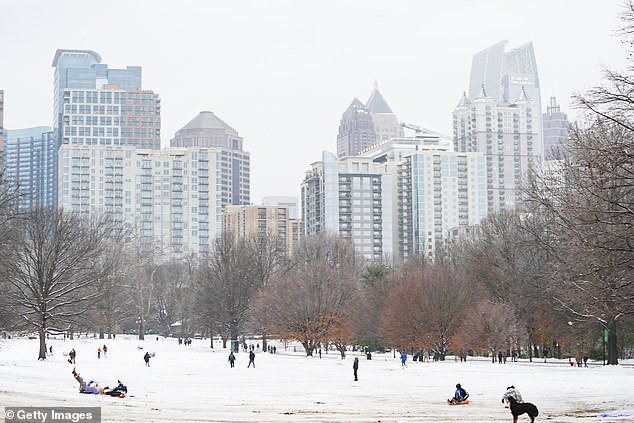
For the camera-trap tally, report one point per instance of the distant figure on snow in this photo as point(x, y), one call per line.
point(105, 351)
point(232, 359)
point(403, 359)
point(146, 357)
point(99, 352)
point(251, 359)
point(71, 356)
point(355, 367)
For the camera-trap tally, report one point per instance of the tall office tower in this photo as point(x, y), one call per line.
point(111, 116)
point(356, 130)
point(263, 221)
point(30, 158)
point(362, 126)
point(556, 128)
point(82, 69)
point(506, 134)
point(233, 165)
point(398, 198)
point(505, 74)
point(167, 198)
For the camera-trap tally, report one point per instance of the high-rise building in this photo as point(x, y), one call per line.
point(398, 198)
point(207, 130)
point(505, 74)
point(362, 126)
point(263, 221)
point(350, 197)
point(111, 116)
point(167, 198)
point(507, 135)
point(82, 69)
point(30, 157)
point(556, 127)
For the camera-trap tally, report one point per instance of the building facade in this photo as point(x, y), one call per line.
point(30, 166)
point(508, 136)
point(111, 116)
point(556, 129)
point(398, 198)
point(263, 221)
point(166, 198)
point(234, 176)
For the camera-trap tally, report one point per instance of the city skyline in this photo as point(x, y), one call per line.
point(282, 73)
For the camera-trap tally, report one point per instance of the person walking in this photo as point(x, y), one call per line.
point(99, 352)
point(71, 356)
point(251, 359)
point(105, 351)
point(232, 359)
point(146, 357)
point(355, 367)
point(403, 359)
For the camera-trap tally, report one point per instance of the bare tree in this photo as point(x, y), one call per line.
point(313, 301)
point(489, 326)
point(226, 282)
point(428, 309)
point(50, 272)
point(115, 304)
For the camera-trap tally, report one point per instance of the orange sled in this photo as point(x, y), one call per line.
point(450, 402)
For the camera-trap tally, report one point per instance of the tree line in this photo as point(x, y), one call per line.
point(554, 275)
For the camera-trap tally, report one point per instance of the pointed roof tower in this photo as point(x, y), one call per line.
point(483, 93)
point(523, 97)
point(376, 103)
point(355, 105)
point(464, 101)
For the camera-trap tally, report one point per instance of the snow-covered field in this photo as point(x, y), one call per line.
point(196, 384)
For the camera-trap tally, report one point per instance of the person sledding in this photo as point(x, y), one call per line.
point(460, 396)
point(93, 387)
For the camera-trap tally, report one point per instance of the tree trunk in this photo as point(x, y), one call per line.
point(308, 346)
point(263, 341)
point(42, 333)
point(613, 356)
point(141, 329)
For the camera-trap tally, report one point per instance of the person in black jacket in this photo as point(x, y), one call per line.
point(146, 357)
point(355, 367)
point(251, 359)
point(232, 358)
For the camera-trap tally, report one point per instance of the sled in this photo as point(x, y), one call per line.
point(450, 402)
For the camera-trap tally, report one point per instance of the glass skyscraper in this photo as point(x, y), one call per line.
point(30, 166)
point(505, 74)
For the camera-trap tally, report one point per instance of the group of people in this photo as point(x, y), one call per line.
point(232, 359)
point(461, 395)
point(103, 349)
point(93, 387)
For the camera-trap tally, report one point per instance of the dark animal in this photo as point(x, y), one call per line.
point(519, 408)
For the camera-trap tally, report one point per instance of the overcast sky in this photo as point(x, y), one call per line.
point(282, 72)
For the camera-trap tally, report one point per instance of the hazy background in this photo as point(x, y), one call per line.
point(281, 72)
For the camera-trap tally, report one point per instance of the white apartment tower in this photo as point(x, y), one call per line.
point(508, 136)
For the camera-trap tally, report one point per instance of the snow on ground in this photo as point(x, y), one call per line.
point(196, 384)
